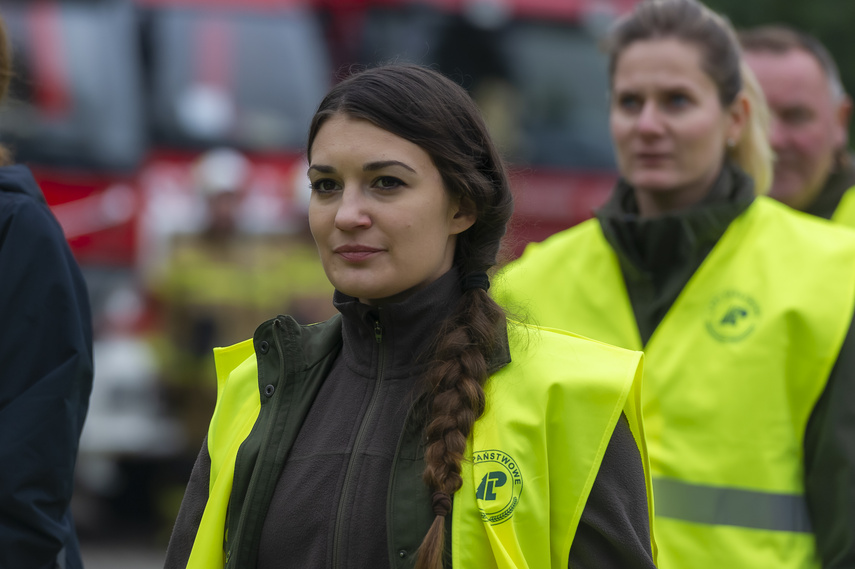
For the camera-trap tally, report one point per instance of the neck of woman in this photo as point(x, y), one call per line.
point(661, 201)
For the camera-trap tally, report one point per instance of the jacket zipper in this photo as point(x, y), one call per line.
point(339, 521)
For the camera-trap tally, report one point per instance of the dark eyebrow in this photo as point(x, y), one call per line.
point(372, 166)
point(369, 167)
point(322, 168)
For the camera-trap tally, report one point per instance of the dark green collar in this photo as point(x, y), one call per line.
point(409, 327)
point(645, 241)
point(841, 179)
point(658, 255)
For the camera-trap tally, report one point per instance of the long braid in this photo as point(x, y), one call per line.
point(455, 381)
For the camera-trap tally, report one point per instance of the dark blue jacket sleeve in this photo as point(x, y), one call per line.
point(45, 381)
point(614, 532)
point(830, 463)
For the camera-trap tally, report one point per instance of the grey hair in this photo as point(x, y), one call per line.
point(780, 39)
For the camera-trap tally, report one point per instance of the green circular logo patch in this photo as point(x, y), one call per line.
point(732, 316)
point(500, 485)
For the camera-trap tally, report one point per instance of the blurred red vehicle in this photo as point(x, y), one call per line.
point(114, 100)
point(112, 103)
point(535, 69)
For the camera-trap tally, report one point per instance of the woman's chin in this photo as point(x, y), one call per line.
point(655, 182)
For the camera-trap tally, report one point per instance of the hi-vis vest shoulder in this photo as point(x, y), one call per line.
point(732, 373)
point(845, 212)
point(530, 464)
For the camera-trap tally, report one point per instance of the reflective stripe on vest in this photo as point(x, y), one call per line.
point(716, 505)
point(516, 509)
point(732, 372)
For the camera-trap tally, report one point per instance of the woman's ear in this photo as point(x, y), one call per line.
point(738, 112)
point(464, 216)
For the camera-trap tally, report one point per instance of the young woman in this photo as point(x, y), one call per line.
point(742, 306)
point(357, 442)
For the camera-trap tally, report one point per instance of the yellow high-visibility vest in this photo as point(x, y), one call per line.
point(732, 373)
point(845, 212)
point(531, 459)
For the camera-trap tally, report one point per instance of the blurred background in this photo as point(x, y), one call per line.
point(168, 138)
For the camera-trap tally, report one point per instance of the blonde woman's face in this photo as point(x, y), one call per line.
point(668, 126)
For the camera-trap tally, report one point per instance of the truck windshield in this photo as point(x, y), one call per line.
point(542, 85)
point(246, 79)
point(75, 99)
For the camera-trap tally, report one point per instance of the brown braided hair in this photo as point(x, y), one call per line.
point(428, 109)
point(6, 73)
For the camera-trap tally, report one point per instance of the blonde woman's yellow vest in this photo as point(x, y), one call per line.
point(531, 460)
point(732, 373)
point(845, 212)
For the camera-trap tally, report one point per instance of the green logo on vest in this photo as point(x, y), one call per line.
point(500, 485)
point(732, 316)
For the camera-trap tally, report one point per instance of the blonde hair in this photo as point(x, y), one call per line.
point(753, 152)
point(721, 58)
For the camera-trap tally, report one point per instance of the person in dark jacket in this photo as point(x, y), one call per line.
point(45, 371)
point(743, 306)
point(419, 427)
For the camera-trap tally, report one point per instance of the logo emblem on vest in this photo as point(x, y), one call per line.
point(500, 485)
point(732, 316)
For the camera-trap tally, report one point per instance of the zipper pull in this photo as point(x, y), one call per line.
point(378, 331)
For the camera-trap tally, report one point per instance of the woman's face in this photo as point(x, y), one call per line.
point(383, 221)
point(668, 125)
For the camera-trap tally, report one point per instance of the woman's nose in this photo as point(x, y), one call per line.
point(353, 210)
point(649, 119)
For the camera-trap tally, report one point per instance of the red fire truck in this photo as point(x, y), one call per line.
point(114, 100)
point(112, 103)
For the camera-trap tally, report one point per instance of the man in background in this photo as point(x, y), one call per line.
point(221, 282)
point(810, 120)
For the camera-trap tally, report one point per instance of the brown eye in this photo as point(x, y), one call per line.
point(677, 101)
point(388, 182)
point(796, 116)
point(629, 103)
point(324, 185)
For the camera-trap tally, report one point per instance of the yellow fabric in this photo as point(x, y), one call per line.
point(232, 285)
point(845, 212)
point(561, 397)
point(550, 415)
point(731, 373)
point(238, 405)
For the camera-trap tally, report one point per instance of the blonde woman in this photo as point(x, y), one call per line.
point(742, 306)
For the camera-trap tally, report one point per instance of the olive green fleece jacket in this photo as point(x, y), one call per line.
point(301, 516)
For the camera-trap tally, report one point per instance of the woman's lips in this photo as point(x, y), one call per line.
point(356, 253)
point(654, 157)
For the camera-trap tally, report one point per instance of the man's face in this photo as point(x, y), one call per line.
point(808, 124)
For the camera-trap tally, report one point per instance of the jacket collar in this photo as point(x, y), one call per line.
point(408, 329)
point(648, 243)
point(18, 179)
point(839, 181)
